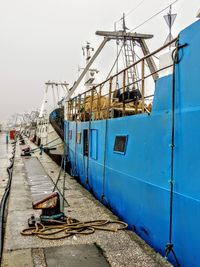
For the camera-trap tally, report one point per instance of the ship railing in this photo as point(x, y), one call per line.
point(117, 96)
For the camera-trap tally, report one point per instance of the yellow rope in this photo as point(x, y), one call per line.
point(72, 227)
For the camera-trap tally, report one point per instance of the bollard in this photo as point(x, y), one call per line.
point(41, 149)
point(12, 134)
point(7, 138)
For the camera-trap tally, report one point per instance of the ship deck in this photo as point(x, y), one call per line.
point(122, 248)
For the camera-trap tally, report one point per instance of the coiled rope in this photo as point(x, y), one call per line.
point(61, 230)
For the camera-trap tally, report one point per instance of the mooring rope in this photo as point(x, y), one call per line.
point(61, 230)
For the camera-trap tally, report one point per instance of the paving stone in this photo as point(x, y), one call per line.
point(18, 258)
point(75, 256)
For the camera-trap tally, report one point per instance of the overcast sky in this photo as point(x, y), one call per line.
point(41, 40)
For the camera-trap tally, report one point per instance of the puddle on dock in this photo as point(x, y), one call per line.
point(38, 180)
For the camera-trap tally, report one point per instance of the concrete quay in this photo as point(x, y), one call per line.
point(119, 249)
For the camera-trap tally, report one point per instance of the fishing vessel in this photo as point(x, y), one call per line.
point(50, 123)
point(138, 152)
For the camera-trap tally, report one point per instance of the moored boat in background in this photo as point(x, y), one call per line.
point(50, 123)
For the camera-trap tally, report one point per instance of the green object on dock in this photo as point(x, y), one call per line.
point(6, 138)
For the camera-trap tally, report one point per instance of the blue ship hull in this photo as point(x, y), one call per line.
point(135, 184)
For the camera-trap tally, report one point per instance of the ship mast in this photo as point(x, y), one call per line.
point(139, 38)
point(119, 36)
point(56, 98)
point(89, 76)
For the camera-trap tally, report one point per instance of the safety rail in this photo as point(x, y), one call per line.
point(115, 97)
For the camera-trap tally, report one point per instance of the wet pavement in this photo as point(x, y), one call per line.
point(116, 249)
point(38, 180)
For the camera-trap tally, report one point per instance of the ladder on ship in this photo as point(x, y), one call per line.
point(130, 58)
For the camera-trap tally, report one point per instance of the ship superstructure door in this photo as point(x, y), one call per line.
point(85, 143)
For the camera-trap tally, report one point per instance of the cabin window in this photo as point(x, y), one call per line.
point(70, 134)
point(120, 144)
point(85, 143)
point(78, 138)
point(93, 143)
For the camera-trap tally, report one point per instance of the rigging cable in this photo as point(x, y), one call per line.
point(131, 11)
point(153, 16)
point(115, 62)
point(156, 57)
point(134, 9)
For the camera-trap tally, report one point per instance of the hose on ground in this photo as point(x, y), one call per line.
point(4, 198)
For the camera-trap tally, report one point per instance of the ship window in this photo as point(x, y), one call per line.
point(93, 144)
point(85, 142)
point(120, 144)
point(70, 134)
point(78, 138)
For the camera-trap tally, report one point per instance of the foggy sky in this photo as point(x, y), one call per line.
point(42, 40)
